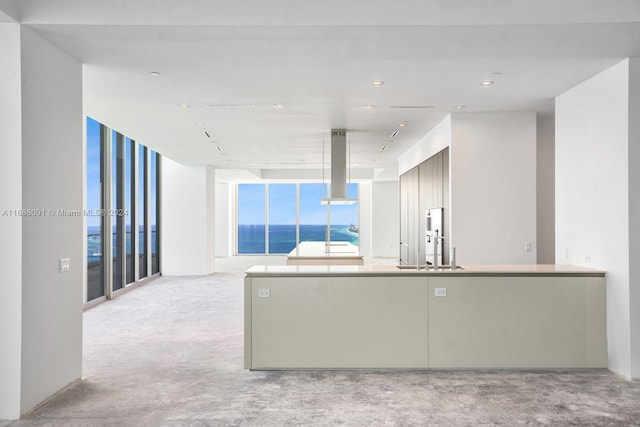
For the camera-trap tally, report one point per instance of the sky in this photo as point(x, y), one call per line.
point(93, 174)
point(282, 205)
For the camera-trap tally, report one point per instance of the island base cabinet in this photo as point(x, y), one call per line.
point(336, 323)
point(517, 322)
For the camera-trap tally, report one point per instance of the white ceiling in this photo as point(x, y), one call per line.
point(318, 60)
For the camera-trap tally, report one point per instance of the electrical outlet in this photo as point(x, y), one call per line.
point(264, 293)
point(441, 292)
point(65, 265)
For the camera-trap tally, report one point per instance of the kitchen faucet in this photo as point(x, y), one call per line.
point(435, 249)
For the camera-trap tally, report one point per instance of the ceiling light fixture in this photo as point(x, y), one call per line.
point(219, 148)
point(207, 134)
point(460, 107)
point(154, 73)
point(369, 107)
point(278, 106)
point(185, 106)
point(200, 125)
point(377, 83)
point(487, 82)
point(384, 147)
point(403, 124)
point(395, 133)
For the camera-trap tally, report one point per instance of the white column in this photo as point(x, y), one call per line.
point(10, 225)
point(51, 179)
point(224, 219)
point(385, 217)
point(597, 206)
point(187, 231)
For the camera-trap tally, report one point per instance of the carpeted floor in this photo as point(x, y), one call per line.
point(170, 354)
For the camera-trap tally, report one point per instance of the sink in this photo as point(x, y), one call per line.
point(442, 267)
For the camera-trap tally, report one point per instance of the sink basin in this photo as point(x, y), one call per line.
point(442, 267)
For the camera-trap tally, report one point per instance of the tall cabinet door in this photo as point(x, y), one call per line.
point(446, 204)
point(426, 186)
point(409, 203)
point(404, 212)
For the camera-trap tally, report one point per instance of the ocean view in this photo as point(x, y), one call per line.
point(282, 238)
point(94, 243)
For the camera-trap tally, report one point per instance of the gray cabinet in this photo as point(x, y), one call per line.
point(426, 186)
point(408, 216)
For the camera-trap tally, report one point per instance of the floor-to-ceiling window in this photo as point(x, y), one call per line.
point(154, 214)
point(143, 170)
point(129, 209)
point(116, 167)
point(313, 215)
point(94, 217)
point(274, 218)
point(282, 218)
point(251, 219)
point(344, 218)
point(117, 211)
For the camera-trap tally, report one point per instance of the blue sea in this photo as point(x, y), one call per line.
point(282, 238)
point(94, 243)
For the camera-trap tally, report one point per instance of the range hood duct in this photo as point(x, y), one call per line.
point(338, 187)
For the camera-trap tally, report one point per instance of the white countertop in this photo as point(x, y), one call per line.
point(382, 270)
point(319, 250)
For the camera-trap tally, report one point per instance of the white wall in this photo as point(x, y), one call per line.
point(187, 240)
point(592, 194)
point(493, 187)
point(10, 226)
point(634, 213)
point(545, 191)
point(366, 231)
point(432, 143)
point(224, 219)
point(51, 179)
point(385, 219)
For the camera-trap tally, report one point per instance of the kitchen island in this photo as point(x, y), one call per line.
point(384, 317)
point(325, 253)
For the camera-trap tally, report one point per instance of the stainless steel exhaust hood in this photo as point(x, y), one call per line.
point(339, 167)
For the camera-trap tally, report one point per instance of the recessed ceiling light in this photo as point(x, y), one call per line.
point(377, 82)
point(219, 148)
point(185, 106)
point(207, 134)
point(460, 107)
point(200, 125)
point(384, 147)
point(403, 124)
point(395, 133)
point(487, 82)
point(154, 73)
point(369, 107)
point(278, 106)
